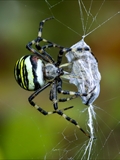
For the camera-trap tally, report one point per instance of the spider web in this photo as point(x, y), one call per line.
point(25, 133)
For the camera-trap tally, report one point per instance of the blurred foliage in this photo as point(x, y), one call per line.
point(25, 133)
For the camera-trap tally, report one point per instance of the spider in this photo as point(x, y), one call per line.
point(39, 70)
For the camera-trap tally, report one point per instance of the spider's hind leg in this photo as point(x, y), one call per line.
point(38, 107)
point(72, 121)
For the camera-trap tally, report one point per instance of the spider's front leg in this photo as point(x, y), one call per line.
point(71, 93)
point(65, 50)
point(39, 39)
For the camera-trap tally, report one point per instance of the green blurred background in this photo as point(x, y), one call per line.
point(25, 133)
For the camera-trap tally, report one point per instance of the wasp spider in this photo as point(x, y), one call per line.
point(39, 70)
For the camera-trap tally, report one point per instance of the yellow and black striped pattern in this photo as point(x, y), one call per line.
point(28, 72)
